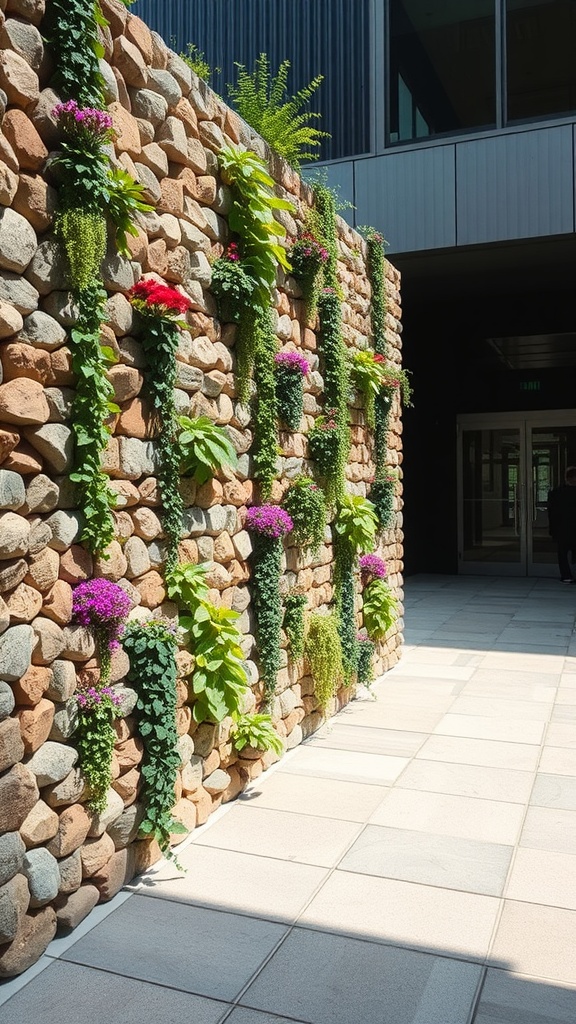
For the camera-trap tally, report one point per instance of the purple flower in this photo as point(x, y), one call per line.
point(269, 521)
point(83, 122)
point(102, 605)
point(91, 698)
point(371, 565)
point(293, 361)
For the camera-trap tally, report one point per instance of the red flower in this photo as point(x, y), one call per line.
point(378, 358)
point(158, 298)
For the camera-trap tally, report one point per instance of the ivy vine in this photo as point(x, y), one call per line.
point(306, 505)
point(294, 625)
point(71, 27)
point(265, 404)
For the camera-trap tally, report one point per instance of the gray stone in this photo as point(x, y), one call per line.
point(69, 497)
point(189, 378)
point(40, 534)
point(157, 553)
point(18, 292)
point(14, 535)
point(136, 554)
point(70, 869)
point(217, 782)
point(205, 738)
point(121, 319)
point(66, 527)
point(65, 721)
point(182, 73)
point(193, 239)
point(109, 83)
point(41, 494)
point(15, 652)
point(149, 105)
point(60, 402)
point(7, 703)
point(48, 270)
point(78, 643)
point(114, 808)
point(63, 681)
point(295, 737)
point(293, 468)
point(4, 623)
point(131, 351)
point(14, 901)
point(51, 763)
point(136, 457)
point(185, 749)
point(117, 273)
point(128, 700)
point(165, 84)
point(70, 790)
point(42, 117)
point(216, 226)
point(200, 268)
point(41, 870)
point(231, 519)
point(12, 850)
point(18, 241)
point(171, 137)
point(216, 518)
point(12, 490)
point(12, 573)
point(50, 640)
point(205, 549)
point(193, 522)
point(73, 908)
point(61, 306)
point(24, 39)
point(55, 442)
point(242, 545)
point(192, 774)
point(125, 829)
point(147, 178)
point(42, 331)
point(241, 441)
point(181, 402)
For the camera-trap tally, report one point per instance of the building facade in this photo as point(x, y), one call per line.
point(454, 132)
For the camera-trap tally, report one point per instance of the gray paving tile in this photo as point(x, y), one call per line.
point(66, 993)
point(488, 727)
point(368, 739)
point(243, 1015)
point(327, 798)
point(467, 780)
point(491, 821)
point(550, 828)
point(564, 713)
point(539, 876)
point(554, 791)
point(178, 946)
point(330, 979)
point(514, 999)
point(352, 766)
point(442, 861)
point(492, 753)
point(536, 940)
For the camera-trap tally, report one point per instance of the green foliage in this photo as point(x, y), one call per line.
point(368, 376)
point(395, 377)
point(324, 652)
point(265, 404)
point(365, 670)
point(196, 60)
point(289, 396)
point(92, 406)
point(356, 523)
point(325, 217)
point(71, 27)
point(204, 448)
point(187, 584)
point(382, 409)
point(159, 339)
point(233, 287)
point(376, 266)
point(151, 647)
point(256, 731)
point(294, 605)
point(84, 236)
point(380, 609)
point(345, 600)
point(306, 505)
point(325, 445)
point(125, 200)
point(336, 385)
point(252, 217)
point(382, 497)
point(94, 739)
point(267, 605)
point(308, 257)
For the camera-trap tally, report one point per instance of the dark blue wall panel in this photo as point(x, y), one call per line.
point(328, 37)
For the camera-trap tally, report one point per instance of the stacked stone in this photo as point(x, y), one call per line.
point(57, 860)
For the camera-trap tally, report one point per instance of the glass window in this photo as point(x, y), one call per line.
point(442, 67)
point(541, 58)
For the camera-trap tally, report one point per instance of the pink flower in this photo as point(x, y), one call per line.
point(293, 361)
point(372, 567)
point(269, 521)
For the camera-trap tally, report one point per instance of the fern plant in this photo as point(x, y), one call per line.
point(204, 448)
point(261, 99)
point(356, 522)
point(255, 731)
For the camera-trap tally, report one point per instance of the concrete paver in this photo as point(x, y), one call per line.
point(413, 863)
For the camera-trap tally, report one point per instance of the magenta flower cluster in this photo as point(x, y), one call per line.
point(371, 565)
point(269, 521)
point(102, 605)
point(93, 698)
point(86, 122)
point(293, 361)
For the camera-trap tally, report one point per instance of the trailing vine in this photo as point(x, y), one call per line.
point(269, 524)
point(294, 626)
point(265, 406)
point(291, 368)
point(159, 307)
point(71, 27)
point(151, 647)
point(306, 505)
point(345, 601)
point(308, 256)
point(324, 652)
point(366, 648)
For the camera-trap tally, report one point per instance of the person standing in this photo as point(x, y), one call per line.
point(562, 523)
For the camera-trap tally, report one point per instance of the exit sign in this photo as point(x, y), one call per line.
point(529, 385)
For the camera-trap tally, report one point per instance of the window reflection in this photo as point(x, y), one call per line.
point(541, 57)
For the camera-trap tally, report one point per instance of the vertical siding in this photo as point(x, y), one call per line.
point(328, 37)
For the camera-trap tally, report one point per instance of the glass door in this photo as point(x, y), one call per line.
point(507, 464)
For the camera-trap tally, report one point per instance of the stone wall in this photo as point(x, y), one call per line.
point(56, 859)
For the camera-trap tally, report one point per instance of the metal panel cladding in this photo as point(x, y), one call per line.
point(328, 37)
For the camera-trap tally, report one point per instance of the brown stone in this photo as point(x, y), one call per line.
point(130, 62)
point(238, 780)
point(76, 565)
point(136, 420)
point(70, 790)
point(24, 458)
point(17, 79)
point(18, 794)
point(95, 853)
point(171, 197)
point(43, 570)
point(8, 441)
point(73, 827)
point(184, 811)
point(223, 548)
point(58, 603)
point(24, 604)
point(149, 492)
point(32, 939)
point(35, 724)
point(112, 565)
point(203, 803)
point(51, 641)
point(126, 127)
point(40, 825)
point(129, 753)
point(72, 908)
point(61, 367)
point(126, 381)
point(31, 686)
point(19, 360)
point(115, 873)
point(127, 786)
point(35, 200)
point(150, 586)
point(11, 745)
point(22, 401)
point(25, 141)
point(12, 573)
point(157, 257)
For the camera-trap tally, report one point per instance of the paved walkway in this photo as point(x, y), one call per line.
point(414, 863)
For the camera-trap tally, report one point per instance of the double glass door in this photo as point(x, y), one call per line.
point(507, 463)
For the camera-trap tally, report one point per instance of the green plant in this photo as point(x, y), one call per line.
point(151, 647)
point(261, 100)
point(336, 385)
point(94, 739)
point(204, 448)
point(252, 217)
point(308, 256)
point(291, 368)
point(232, 285)
point(345, 601)
point(306, 506)
point(196, 60)
point(265, 404)
point(324, 442)
point(84, 236)
point(125, 200)
point(382, 497)
point(269, 524)
point(324, 217)
point(71, 27)
point(380, 609)
point(368, 376)
point(91, 408)
point(294, 627)
point(256, 731)
point(356, 522)
point(366, 648)
point(324, 652)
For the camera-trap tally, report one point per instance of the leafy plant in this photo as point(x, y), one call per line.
point(336, 385)
point(94, 739)
point(306, 505)
point(325, 444)
point(294, 627)
point(256, 731)
point(187, 584)
point(345, 601)
point(265, 405)
point(71, 27)
point(261, 100)
point(291, 368)
point(324, 217)
point(324, 652)
point(231, 284)
point(356, 522)
point(91, 408)
point(204, 448)
point(366, 648)
point(84, 236)
point(380, 609)
point(382, 497)
point(269, 524)
point(124, 202)
point(369, 377)
point(151, 647)
point(252, 217)
point(308, 256)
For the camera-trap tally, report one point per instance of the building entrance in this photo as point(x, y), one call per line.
point(507, 463)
